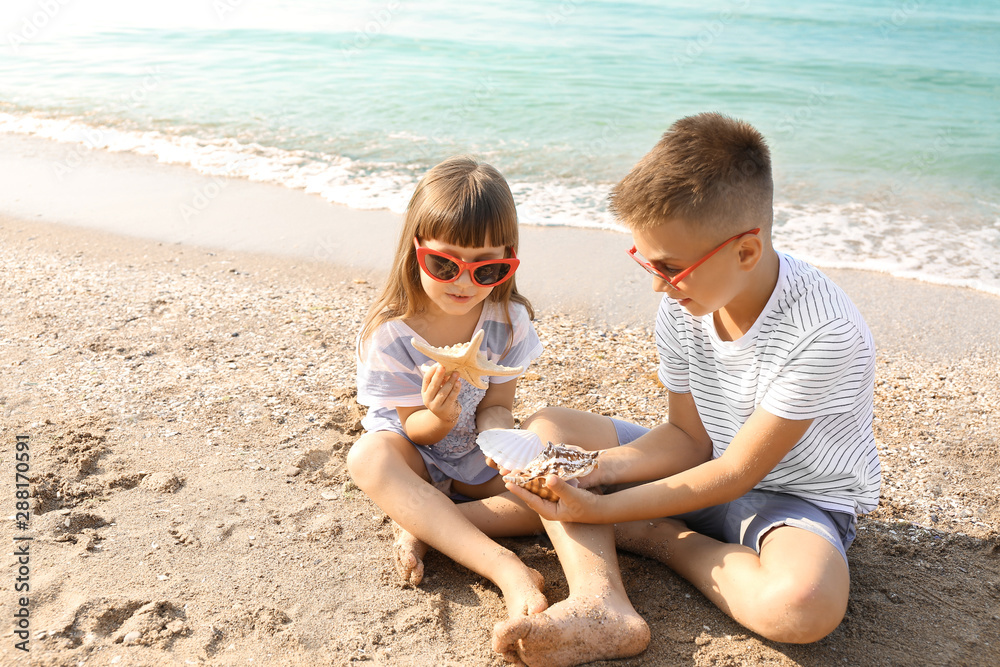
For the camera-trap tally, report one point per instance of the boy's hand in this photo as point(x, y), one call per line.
point(591, 479)
point(439, 392)
point(574, 505)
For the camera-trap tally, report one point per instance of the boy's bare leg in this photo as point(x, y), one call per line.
point(387, 467)
point(795, 591)
point(597, 620)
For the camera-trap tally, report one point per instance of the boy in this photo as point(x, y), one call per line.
point(770, 373)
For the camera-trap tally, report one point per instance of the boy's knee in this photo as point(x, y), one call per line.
point(797, 614)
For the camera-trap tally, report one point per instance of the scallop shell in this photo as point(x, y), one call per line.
point(510, 448)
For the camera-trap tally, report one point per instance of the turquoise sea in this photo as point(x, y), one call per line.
point(884, 119)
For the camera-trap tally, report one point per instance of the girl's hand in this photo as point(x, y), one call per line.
point(574, 504)
point(439, 392)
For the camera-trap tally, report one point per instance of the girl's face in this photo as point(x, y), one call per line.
point(461, 296)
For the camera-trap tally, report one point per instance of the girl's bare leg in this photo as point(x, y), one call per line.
point(387, 467)
point(499, 513)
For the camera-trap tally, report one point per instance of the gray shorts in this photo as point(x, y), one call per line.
point(469, 467)
point(747, 519)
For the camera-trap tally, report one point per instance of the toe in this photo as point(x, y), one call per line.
point(507, 635)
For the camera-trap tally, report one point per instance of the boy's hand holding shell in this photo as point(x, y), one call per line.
point(529, 462)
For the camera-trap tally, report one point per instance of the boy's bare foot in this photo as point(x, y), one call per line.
point(573, 632)
point(408, 555)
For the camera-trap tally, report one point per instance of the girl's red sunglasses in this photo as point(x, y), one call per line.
point(444, 268)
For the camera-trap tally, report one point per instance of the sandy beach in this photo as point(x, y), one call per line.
point(186, 385)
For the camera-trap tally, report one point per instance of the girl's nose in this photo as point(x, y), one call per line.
point(465, 278)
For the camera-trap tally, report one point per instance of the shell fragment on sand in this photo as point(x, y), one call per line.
point(562, 460)
point(510, 448)
point(466, 359)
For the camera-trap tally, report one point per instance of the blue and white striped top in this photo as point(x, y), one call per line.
point(809, 355)
point(389, 376)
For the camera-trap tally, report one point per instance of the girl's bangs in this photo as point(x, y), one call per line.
point(471, 224)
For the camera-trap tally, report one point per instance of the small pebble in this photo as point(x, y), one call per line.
point(131, 637)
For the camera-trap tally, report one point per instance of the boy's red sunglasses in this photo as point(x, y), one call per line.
point(686, 272)
point(444, 268)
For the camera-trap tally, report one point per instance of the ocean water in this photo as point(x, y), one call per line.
point(883, 120)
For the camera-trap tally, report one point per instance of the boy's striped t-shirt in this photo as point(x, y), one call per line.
point(809, 355)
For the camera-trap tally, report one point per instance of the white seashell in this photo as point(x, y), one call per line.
point(511, 448)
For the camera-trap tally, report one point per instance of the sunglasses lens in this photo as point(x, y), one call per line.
point(441, 268)
point(491, 273)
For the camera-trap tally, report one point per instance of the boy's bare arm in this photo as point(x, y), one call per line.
point(762, 442)
point(679, 444)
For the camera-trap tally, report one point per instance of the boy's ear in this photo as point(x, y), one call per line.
point(751, 251)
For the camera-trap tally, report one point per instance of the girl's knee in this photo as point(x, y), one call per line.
point(355, 458)
point(381, 454)
point(363, 458)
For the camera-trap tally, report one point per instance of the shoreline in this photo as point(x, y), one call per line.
point(104, 191)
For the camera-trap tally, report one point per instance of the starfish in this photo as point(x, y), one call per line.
point(466, 359)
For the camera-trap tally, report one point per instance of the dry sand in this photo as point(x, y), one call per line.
point(189, 411)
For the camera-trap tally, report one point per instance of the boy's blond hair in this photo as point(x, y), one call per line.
point(710, 170)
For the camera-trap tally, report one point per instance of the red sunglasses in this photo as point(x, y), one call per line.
point(444, 268)
point(686, 272)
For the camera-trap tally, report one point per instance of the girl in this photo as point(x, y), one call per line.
point(420, 444)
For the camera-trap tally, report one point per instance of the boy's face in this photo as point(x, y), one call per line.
point(673, 247)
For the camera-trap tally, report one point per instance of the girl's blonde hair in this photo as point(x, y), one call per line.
point(461, 202)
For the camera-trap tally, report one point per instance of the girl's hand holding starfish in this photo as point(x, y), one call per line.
point(439, 391)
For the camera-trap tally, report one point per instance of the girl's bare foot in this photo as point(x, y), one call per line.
point(522, 591)
point(408, 555)
point(573, 632)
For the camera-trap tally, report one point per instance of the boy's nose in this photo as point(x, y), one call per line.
point(662, 286)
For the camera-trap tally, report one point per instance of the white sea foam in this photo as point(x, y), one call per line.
point(853, 235)
point(857, 236)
